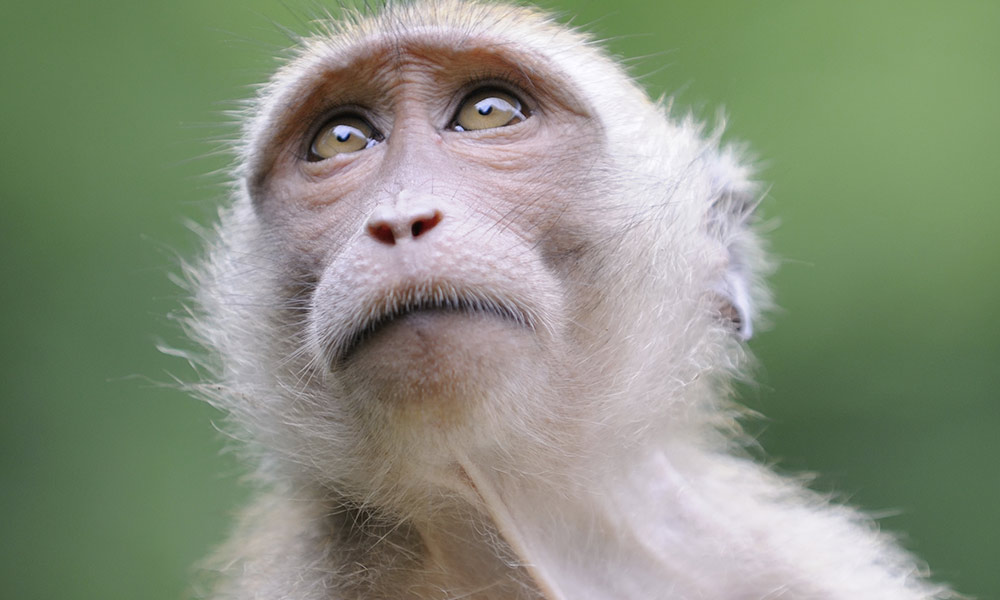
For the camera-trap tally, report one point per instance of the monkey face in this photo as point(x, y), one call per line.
point(436, 202)
point(442, 200)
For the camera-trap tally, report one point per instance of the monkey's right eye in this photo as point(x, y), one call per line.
point(488, 109)
point(343, 135)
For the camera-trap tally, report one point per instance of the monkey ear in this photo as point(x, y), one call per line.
point(734, 296)
point(735, 200)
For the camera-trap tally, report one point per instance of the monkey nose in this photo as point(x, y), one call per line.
point(390, 224)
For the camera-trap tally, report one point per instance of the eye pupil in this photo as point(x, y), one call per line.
point(343, 134)
point(484, 108)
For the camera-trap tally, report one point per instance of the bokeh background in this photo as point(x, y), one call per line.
point(875, 122)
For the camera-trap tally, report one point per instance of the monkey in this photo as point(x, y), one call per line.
point(475, 311)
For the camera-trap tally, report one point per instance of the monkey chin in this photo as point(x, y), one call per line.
point(436, 365)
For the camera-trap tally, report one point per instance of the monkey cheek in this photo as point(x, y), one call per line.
point(443, 369)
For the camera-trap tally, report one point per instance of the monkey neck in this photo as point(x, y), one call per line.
point(574, 543)
point(526, 537)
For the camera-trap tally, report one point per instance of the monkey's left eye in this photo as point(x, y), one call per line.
point(488, 109)
point(342, 135)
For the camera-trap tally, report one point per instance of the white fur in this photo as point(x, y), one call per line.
point(611, 469)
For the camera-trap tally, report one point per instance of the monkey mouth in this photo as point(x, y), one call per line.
point(396, 305)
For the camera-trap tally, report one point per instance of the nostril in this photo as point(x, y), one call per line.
point(423, 224)
point(382, 232)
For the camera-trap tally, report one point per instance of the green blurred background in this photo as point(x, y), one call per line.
point(876, 122)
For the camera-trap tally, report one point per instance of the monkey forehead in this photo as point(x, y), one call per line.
point(517, 43)
point(529, 38)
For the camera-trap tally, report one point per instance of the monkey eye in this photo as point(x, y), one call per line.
point(488, 109)
point(342, 135)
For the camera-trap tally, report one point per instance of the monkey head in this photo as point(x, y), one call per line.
point(467, 235)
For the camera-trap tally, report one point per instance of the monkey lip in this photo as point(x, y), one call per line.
point(397, 305)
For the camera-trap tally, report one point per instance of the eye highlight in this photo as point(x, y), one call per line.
point(489, 109)
point(343, 135)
